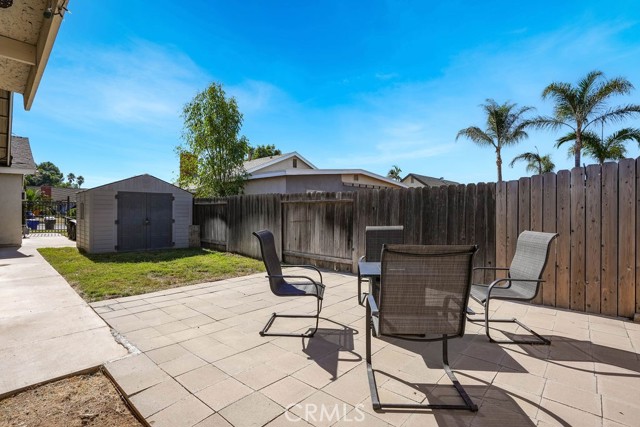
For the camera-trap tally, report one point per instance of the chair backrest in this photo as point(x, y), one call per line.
point(532, 253)
point(270, 257)
point(425, 289)
point(376, 236)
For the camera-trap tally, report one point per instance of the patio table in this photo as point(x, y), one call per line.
point(371, 271)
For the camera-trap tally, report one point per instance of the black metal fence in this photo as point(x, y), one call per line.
point(47, 217)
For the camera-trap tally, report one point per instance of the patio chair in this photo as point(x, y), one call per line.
point(288, 285)
point(521, 284)
point(424, 292)
point(375, 237)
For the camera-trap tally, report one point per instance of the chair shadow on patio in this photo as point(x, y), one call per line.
point(327, 346)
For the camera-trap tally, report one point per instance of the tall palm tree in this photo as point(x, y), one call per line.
point(394, 173)
point(609, 148)
point(505, 126)
point(535, 162)
point(580, 106)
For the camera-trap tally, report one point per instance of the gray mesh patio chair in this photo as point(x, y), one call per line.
point(424, 292)
point(375, 237)
point(288, 285)
point(522, 284)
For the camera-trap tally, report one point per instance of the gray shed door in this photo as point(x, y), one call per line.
point(144, 220)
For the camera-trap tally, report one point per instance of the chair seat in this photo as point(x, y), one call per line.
point(479, 293)
point(289, 289)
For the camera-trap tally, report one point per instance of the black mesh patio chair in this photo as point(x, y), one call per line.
point(521, 284)
point(288, 285)
point(424, 292)
point(375, 237)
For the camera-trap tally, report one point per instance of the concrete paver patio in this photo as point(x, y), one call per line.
point(203, 363)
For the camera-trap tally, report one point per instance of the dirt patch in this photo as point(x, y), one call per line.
point(84, 400)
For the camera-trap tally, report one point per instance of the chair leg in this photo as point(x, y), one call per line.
point(264, 332)
point(375, 398)
point(540, 340)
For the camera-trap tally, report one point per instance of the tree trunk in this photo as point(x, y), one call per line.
point(578, 146)
point(499, 164)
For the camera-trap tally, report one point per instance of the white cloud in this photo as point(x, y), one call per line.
point(141, 85)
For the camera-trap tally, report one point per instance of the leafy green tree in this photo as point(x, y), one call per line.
point(80, 181)
point(212, 124)
point(71, 177)
point(535, 162)
point(578, 107)
point(505, 126)
point(261, 151)
point(394, 173)
point(611, 148)
point(46, 174)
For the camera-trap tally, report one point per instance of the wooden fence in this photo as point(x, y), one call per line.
point(328, 228)
point(594, 264)
point(594, 210)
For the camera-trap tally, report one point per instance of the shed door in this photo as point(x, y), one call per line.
point(144, 221)
point(160, 214)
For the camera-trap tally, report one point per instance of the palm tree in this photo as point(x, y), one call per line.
point(505, 126)
point(610, 148)
point(535, 162)
point(394, 173)
point(580, 106)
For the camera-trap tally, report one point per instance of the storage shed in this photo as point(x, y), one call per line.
point(138, 213)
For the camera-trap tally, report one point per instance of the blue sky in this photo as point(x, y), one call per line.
point(347, 84)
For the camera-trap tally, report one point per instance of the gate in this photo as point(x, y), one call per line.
point(47, 217)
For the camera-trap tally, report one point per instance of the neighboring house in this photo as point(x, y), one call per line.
point(292, 173)
point(27, 35)
point(58, 194)
point(413, 180)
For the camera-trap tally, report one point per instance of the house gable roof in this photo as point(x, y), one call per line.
point(429, 181)
point(256, 165)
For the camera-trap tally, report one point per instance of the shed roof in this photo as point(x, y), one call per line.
point(137, 177)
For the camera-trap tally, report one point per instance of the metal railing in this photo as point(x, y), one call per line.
point(47, 217)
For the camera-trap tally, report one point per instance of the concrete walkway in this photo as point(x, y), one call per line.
point(46, 330)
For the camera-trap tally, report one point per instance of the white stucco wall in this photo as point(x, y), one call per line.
point(276, 184)
point(10, 210)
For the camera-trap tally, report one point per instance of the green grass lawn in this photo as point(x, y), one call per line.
point(103, 276)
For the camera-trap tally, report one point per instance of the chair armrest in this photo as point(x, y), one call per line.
point(374, 306)
point(375, 314)
point(508, 279)
point(313, 267)
point(287, 276)
point(490, 268)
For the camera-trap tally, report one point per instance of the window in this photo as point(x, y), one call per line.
point(295, 163)
point(356, 178)
point(412, 181)
point(81, 213)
